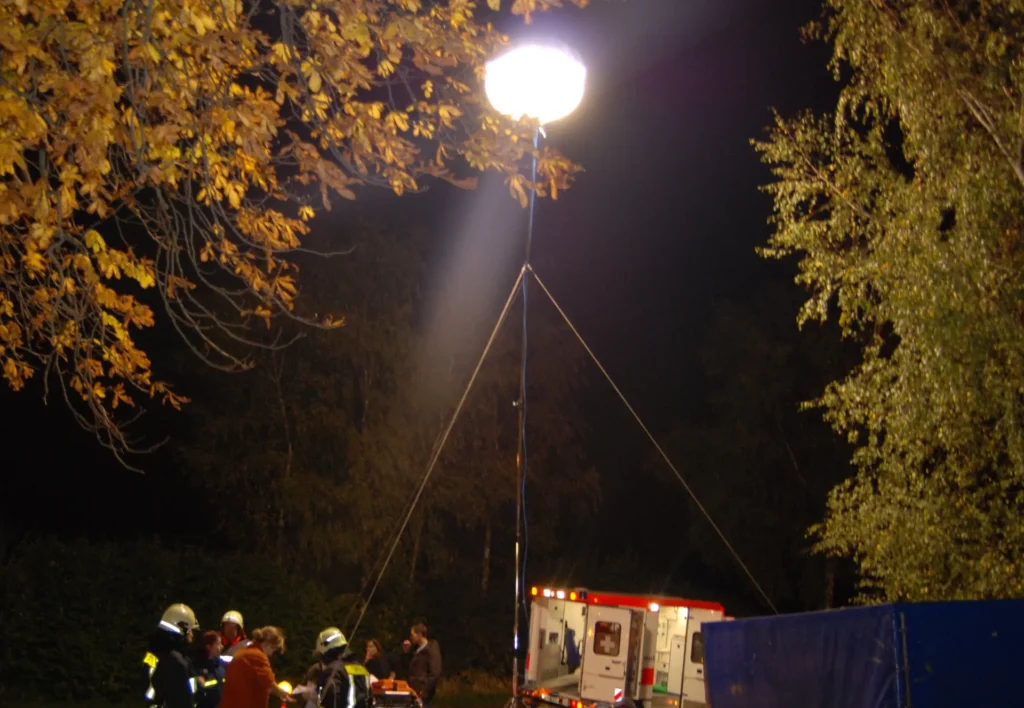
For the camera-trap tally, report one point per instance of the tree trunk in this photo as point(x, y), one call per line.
point(366, 400)
point(277, 373)
point(485, 575)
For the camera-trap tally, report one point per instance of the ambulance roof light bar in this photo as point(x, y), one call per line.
point(571, 595)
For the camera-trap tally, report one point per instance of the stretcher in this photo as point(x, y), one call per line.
point(389, 693)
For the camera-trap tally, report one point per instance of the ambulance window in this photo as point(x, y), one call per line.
point(697, 649)
point(607, 636)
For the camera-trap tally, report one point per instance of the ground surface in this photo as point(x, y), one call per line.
point(462, 700)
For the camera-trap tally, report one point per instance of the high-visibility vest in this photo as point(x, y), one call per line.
point(237, 646)
point(353, 699)
point(150, 660)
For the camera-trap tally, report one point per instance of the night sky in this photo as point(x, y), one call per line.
point(660, 228)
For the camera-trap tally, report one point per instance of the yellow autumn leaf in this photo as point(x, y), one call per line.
point(94, 241)
point(157, 119)
point(447, 113)
point(234, 194)
point(33, 262)
point(398, 120)
point(315, 82)
point(11, 372)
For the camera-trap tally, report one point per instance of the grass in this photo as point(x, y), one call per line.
point(463, 700)
point(468, 690)
point(472, 700)
point(467, 700)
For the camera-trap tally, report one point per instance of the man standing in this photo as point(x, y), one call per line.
point(425, 664)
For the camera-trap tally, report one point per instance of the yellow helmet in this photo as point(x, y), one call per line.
point(233, 616)
point(180, 619)
point(330, 638)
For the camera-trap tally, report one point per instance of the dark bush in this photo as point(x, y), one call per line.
point(76, 616)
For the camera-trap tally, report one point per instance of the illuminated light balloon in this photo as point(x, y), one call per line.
point(539, 81)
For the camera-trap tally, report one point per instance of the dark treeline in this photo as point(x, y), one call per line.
point(281, 488)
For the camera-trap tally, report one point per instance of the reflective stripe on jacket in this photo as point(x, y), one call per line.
point(347, 686)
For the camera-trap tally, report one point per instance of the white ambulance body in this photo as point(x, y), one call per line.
point(647, 649)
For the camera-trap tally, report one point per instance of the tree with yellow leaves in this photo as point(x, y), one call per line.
point(167, 155)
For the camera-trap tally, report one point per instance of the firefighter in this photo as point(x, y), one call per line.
point(232, 632)
point(212, 669)
point(343, 681)
point(172, 678)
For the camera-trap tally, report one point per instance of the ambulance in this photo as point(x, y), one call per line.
point(588, 647)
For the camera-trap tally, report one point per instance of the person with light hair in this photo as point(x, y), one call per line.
point(250, 681)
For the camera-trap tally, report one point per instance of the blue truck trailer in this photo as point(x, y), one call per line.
point(915, 655)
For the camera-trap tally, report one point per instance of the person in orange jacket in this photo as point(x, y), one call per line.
point(250, 681)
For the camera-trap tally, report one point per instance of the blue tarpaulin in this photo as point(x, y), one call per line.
point(939, 655)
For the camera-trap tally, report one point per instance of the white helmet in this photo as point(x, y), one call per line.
point(330, 638)
point(180, 619)
point(233, 616)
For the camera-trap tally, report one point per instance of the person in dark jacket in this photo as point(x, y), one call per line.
point(212, 670)
point(172, 677)
point(425, 664)
point(376, 662)
point(343, 682)
point(399, 661)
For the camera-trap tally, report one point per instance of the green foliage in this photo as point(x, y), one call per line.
point(904, 208)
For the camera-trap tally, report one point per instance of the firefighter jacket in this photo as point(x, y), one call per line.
point(345, 684)
point(171, 676)
point(213, 672)
point(231, 648)
point(239, 645)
